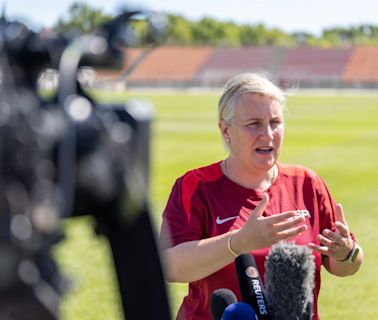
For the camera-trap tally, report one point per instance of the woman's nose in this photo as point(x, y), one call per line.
point(266, 131)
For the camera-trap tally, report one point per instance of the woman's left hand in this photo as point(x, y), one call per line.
point(338, 244)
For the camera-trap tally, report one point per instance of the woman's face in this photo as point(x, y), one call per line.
point(255, 132)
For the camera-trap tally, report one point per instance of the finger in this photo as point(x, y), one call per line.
point(333, 236)
point(280, 217)
point(312, 246)
point(288, 224)
point(340, 214)
point(260, 208)
point(321, 249)
point(290, 233)
point(342, 229)
point(326, 241)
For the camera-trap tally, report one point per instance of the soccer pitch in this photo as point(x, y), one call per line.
point(334, 134)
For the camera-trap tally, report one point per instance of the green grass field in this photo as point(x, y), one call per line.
point(335, 135)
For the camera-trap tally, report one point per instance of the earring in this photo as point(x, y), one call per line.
point(227, 140)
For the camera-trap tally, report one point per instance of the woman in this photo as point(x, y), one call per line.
point(248, 202)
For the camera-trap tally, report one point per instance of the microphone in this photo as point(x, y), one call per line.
point(239, 311)
point(251, 286)
point(289, 274)
point(220, 300)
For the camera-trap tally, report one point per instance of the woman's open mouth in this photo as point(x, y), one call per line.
point(264, 150)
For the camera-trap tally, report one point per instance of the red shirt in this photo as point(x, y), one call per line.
point(204, 203)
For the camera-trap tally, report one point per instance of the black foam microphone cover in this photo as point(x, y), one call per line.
point(220, 300)
point(289, 274)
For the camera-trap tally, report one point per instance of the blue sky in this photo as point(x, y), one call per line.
point(289, 15)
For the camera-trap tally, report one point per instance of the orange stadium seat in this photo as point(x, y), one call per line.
point(310, 63)
point(223, 63)
point(362, 66)
point(130, 55)
point(206, 66)
point(170, 65)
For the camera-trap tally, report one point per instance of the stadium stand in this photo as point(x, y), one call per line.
point(303, 67)
point(362, 67)
point(115, 78)
point(313, 67)
point(223, 63)
point(170, 66)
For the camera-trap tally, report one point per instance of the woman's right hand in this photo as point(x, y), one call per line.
point(194, 260)
point(259, 231)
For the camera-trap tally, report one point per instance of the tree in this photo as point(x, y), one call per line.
point(207, 31)
point(81, 19)
point(180, 30)
point(231, 35)
point(252, 35)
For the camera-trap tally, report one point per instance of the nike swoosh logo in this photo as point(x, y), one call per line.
point(221, 221)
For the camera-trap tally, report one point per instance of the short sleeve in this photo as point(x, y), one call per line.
point(183, 217)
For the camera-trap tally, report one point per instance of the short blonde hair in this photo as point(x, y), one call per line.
point(246, 83)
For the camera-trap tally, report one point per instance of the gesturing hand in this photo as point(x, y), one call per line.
point(259, 231)
point(336, 244)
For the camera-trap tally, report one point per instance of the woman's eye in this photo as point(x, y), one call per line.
point(276, 122)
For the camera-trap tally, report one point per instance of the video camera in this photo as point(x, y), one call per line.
point(67, 156)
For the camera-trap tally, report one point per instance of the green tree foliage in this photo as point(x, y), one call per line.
point(81, 18)
point(231, 35)
point(363, 34)
point(259, 35)
point(252, 35)
point(180, 30)
point(208, 31)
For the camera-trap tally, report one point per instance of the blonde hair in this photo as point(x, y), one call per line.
point(246, 83)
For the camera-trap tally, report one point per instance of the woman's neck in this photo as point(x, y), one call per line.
point(259, 180)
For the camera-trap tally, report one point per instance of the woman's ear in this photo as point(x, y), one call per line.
point(223, 126)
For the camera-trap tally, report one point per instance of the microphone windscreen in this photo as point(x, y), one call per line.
point(220, 300)
point(289, 274)
point(239, 311)
point(250, 284)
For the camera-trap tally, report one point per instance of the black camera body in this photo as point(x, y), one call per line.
point(67, 156)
